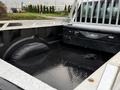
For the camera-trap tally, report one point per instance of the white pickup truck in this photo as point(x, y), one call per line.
point(72, 55)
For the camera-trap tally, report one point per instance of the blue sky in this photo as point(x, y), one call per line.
point(17, 3)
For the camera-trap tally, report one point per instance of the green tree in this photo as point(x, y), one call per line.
point(35, 9)
point(69, 8)
point(38, 8)
point(30, 8)
point(47, 9)
point(65, 9)
point(50, 9)
point(41, 8)
point(53, 9)
point(3, 9)
point(44, 9)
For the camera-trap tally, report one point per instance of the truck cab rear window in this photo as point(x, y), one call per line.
point(103, 11)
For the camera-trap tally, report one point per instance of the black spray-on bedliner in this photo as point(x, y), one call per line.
point(64, 67)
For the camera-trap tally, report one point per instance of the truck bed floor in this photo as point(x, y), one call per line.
point(65, 67)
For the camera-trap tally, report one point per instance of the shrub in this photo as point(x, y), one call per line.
point(14, 10)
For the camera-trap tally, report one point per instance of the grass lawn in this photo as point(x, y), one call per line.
point(23, 16)
point(30, 16)
point(57, 14)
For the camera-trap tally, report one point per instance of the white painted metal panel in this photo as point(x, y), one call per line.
point(26, 24)
point(93, 81)
point(109, 77)
point(20, 78)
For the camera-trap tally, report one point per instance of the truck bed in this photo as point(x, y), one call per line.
point(66, 66)
point(71, 58)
